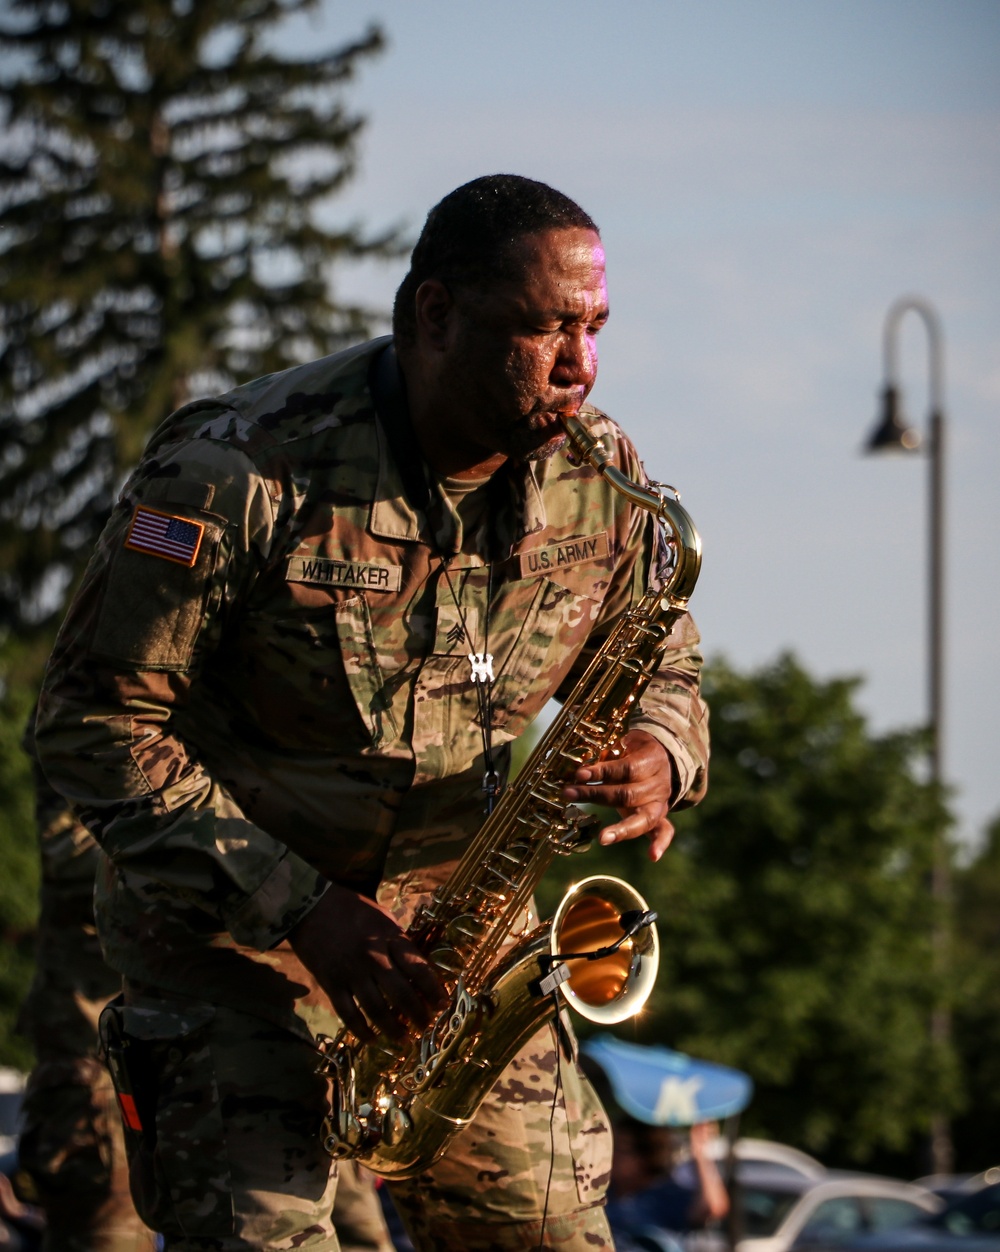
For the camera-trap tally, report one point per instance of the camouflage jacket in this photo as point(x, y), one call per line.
point(263, 681)
point(71, 983)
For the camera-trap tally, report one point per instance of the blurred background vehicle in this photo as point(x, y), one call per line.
point(970, 1223)
point(776, 1210)
point(956, 1186)
point(780, 1158)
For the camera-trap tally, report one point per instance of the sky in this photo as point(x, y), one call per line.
point(769, 177)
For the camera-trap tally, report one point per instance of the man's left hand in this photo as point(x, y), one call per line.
point(638, 782)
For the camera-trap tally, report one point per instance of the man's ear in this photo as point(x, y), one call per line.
point(434, 306)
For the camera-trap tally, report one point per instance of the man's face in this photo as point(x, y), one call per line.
point(525, 349)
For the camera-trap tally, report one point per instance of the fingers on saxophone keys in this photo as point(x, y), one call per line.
point(409, 1000)
point(614, 795)
point(414, 965)
point(347, 1010)
point(380, 1006)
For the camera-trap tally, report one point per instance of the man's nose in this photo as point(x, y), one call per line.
point(576, 363)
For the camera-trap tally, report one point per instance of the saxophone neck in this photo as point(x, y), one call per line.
point(681, 533)
point(583, 446)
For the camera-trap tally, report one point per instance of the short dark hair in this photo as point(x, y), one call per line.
point(468, 236)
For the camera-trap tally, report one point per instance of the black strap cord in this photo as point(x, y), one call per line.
point(554, 975)
point(631, 923)
point(557, 1088)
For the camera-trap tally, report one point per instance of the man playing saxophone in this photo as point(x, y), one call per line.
point(326, 604)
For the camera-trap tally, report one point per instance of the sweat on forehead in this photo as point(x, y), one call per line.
point(469, 235)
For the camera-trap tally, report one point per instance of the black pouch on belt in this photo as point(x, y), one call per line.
point(128, 1061)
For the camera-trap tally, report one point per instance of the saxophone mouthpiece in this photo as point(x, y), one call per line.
point(581, 444)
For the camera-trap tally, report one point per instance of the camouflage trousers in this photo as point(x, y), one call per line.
point(71, 1160)
point(230, 1157)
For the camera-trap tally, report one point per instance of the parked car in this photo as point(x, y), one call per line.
point(955, 1186)
point(776, 1210)
point(969, 1224)
point(779, 1158)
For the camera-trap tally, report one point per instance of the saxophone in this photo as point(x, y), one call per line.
point(395, 1105)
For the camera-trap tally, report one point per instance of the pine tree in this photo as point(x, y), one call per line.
point(164, 233)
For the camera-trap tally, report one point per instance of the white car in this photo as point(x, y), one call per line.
point(777, 1211)
point(765, 1152)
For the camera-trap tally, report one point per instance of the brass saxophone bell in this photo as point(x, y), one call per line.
point(613, 987)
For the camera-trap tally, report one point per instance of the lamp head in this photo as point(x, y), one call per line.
point(892, 433)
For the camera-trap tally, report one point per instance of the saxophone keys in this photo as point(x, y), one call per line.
point(341, 1140)
point(335, 1147)
point(470, 925)
point(447, 960)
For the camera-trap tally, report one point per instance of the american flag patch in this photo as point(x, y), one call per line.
point(162, 534)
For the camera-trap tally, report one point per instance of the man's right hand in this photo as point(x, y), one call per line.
point(375, 978)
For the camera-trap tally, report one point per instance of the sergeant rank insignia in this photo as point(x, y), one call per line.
point(162, 534)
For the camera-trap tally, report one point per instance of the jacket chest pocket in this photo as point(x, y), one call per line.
point(316, 672)
point(554, 625)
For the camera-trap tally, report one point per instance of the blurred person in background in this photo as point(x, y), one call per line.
point(645, 1198)
point(71, 1156)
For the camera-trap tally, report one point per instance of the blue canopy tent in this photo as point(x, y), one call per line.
point(666, 1088)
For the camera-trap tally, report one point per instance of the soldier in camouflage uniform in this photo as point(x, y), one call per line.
point(262, 704)
point(71, 1157)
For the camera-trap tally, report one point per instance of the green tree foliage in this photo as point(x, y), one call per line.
point(977, 1010)
point(164, 176)
point(795, 917)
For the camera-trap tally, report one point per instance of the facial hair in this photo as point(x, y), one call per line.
point(523, 437)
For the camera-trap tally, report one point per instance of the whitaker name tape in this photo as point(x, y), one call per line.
point(163, 535)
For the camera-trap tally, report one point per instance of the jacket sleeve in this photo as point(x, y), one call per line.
point(192, 528)
point(671, 709)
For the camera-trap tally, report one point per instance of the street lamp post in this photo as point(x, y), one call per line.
point(893, 434)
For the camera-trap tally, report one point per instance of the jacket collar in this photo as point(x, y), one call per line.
point(395, 514)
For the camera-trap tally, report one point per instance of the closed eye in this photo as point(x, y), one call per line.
point(598, 323)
